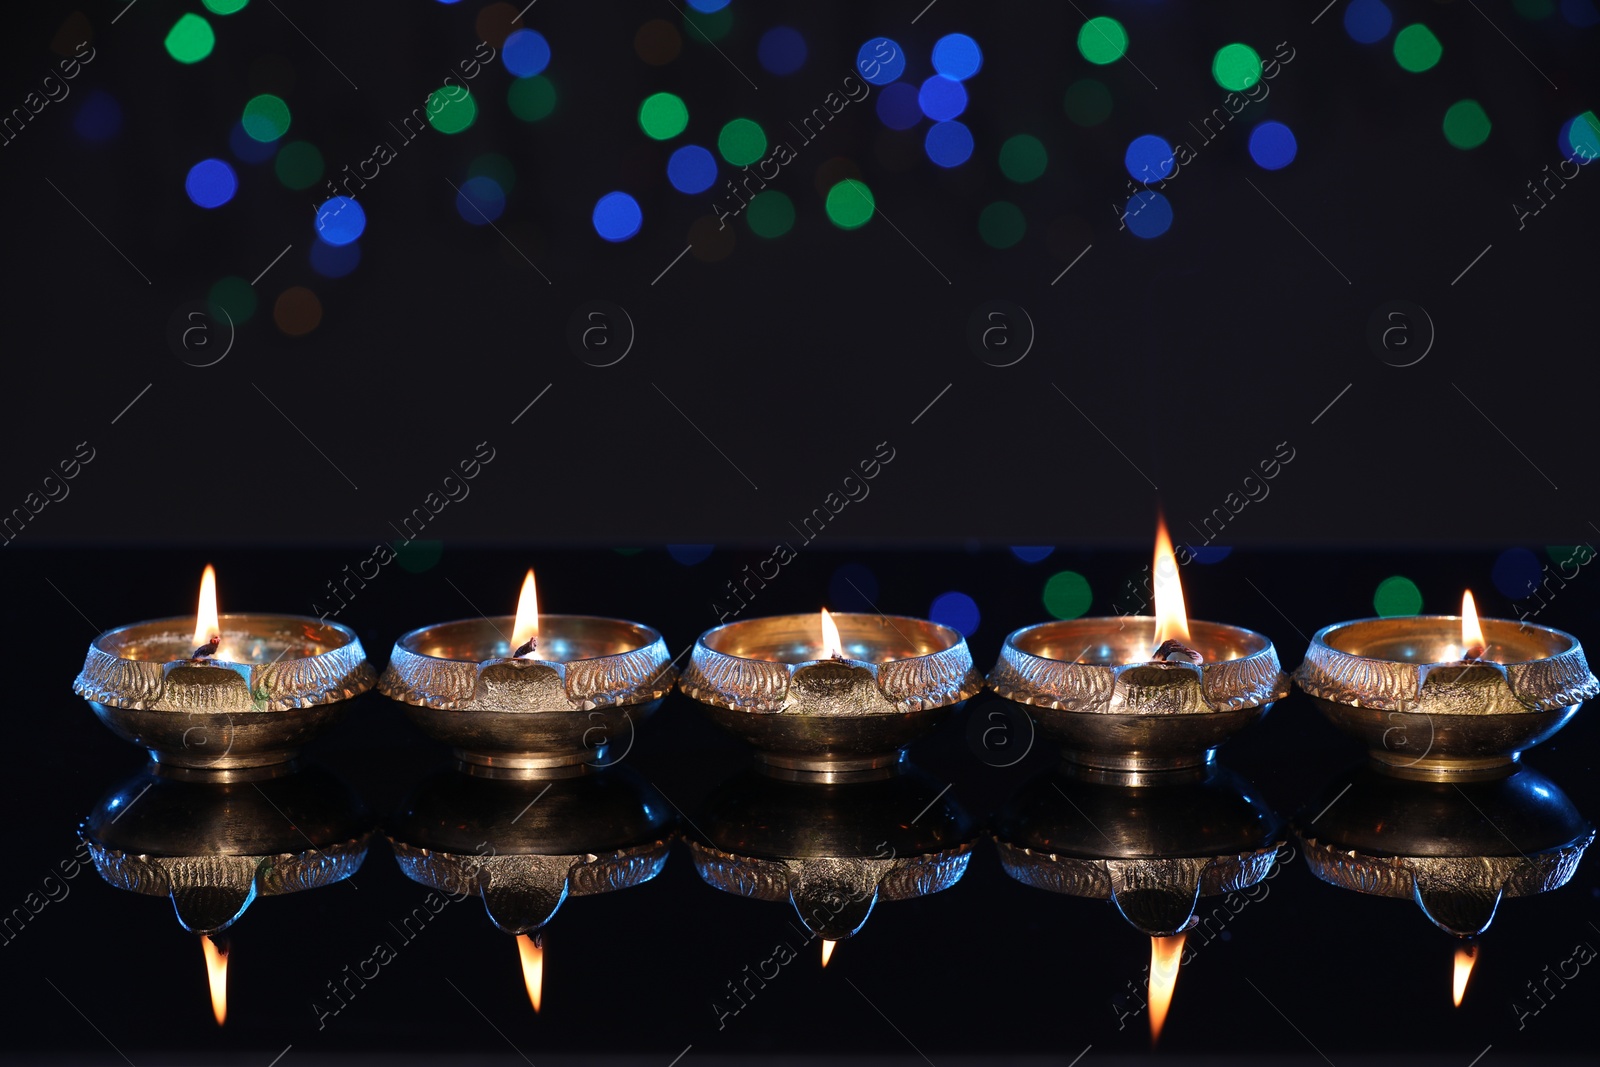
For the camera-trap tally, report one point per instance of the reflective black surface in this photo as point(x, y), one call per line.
point(1293, 970)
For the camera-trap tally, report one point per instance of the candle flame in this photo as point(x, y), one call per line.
point(832, 647)
point(532, 954)
point(1466, 956)
point(1172, 622)
point(206, 626)
point(527, 625)
point(1471, 630)
point(827, 950)
point(217, 970)
point(1165, 955)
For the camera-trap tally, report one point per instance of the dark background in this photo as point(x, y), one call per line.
point(1192, 355)
point(986, 969)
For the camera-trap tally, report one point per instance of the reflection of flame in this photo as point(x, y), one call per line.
point(217, 971)
point(527, 625)
point(1172, 622)
point(827, 950)
point(532, 954)
point(832, 647)
point(1165, 955)
point(1471, 630)
point(1466, 956)
point(206, 626)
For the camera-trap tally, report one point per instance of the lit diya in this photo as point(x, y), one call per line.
point(533, 694)
point(1446, 696)
point(222, 692)
point(834, 693)
point(1141, 693)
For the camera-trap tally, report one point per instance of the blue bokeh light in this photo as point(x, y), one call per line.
point(1580, 13)
point(692, 169)
point(957, 611)
point(334, 261)
point(949, 144)
point(617, 216)
point(341, 220)
point(1272, 146)
point(211, 183)
point(247, 149)
point(706, 7)
point(525, 53)
point(881, 60)
point(1148, 214)
point(1368, 21)
point(957, 56)
point(782, 50)
point(1579, 140)
point(1032, 553)
point(897, 106)
point(99, 117)
point(853, 587)
point(480, 200)
point(1516, 573)
point(941, 98)
point(689, 555)
point(1149, 158)
point(1210, 553)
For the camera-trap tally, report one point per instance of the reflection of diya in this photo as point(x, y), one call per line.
point(1152, 844)
point(524, 846)
point(1445, 696)
point(833, 850)
point(1138, 693)
point(213, 848)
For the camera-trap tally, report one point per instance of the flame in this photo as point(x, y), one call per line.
point(217, 968)
point(1466, 956)
point(527, 625)
point(1471, 630)
point(827, 950)
point(532, 954)
point(1165, 955)
point(206, 625)
point(832, 647)
point(1172, 622)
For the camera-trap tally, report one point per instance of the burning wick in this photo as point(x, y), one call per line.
point(208, 649)
point(827, 950)
point(1173, 647)
point(832, 647)
point(525, 648)
point(525, 632)
point(1471, 629)
point(1466, 956)
point(207, 626)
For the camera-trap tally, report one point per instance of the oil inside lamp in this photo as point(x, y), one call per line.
point(827, 950)
point(216, 952)
point(531, 950)
point(832, 647)
point(1466, 956)
point(525, 633)
point(1166, 953)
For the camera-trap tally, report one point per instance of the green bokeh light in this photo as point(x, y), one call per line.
point(1102, 40)
point(531, 99)
point(1465, 124)
point(415, 557)
point(1001, 224)
point(266, 117)
point(1236, 66)
point(1585, 137)
point(235, 296)
point(1023, 158)
point(1088, 102)
point(1067, 595)
point(299, 165)
point(1560, 553)
point(451, 109)
point(663, 116)
point(190, 40)
point(1397, 595)
point(703, 26)
point(850, 204)
point(770, 214)
point(495, 166)
point(742, 141)
point(225, 7)
point(1534, 10)
point(1416, 48)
